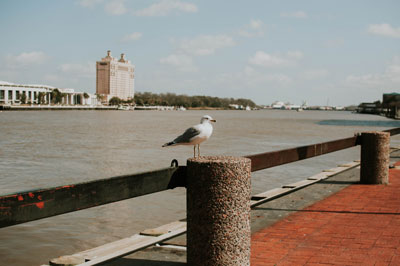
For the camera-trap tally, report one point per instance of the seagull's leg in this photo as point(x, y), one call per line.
point(198, 149)
point(194, 151)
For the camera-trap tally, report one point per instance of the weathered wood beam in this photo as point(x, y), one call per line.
point(275, 158)
point(393, 131)
point(37, 204)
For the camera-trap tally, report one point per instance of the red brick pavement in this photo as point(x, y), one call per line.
point(360, 225)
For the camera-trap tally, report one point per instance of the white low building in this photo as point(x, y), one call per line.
point(11, 93)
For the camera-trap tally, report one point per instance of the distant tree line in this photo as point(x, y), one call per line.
point(172, 99)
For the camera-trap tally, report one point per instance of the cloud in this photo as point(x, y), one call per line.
point(254, 29)
point(115, 7)
point(387, 80)
point(296, 14)
point(187, 49)
point(205, 44)
point(81, 70)
point(252, 78)
point(165, 7)
point(181, 61)
point(89, 3)
point(384, 30)
point(132, 37)
point(26, 59)
point(295, 55)
point(255, 76)
point(268, 60)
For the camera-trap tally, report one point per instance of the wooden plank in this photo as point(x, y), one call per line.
point(318, 176)
point(29, 206)
point(268, 195)
point(275, 158)
point(127, 246)
point(162, 229)
point(300, 184)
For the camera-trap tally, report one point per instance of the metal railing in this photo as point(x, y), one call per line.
point(37, 204)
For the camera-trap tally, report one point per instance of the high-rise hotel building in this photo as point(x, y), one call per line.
point(115, 78)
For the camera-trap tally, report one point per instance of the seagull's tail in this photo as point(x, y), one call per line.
point(169, 144)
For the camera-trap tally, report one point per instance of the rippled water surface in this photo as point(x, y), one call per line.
point(50, 148)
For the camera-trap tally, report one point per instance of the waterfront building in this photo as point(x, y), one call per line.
point(391, 104)
point(115, 78)
point(11, 94)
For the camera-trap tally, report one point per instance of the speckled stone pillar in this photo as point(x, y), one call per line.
point(375, 147)
point(218, 211)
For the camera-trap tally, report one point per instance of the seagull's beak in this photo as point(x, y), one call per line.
point(213, 120)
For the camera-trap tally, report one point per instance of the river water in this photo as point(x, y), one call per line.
point(40, 149)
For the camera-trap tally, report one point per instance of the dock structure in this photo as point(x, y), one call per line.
point(159, 245)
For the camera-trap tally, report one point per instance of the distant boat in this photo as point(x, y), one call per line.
point(248, 108)
point(124, 107)
point(181, 109)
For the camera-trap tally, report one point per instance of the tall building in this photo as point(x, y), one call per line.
point(115, 78)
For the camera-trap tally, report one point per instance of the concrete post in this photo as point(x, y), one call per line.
point(375, 147)
point(218, 211)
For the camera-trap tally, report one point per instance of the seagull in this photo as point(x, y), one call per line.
point(195, 135)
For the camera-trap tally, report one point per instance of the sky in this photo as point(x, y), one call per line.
point(318, 51)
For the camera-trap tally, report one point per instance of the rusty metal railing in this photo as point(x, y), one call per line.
point(32, 205)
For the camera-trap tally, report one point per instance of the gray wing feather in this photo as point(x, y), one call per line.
point(187, 135)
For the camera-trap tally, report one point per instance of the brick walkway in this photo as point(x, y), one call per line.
point(360, 225)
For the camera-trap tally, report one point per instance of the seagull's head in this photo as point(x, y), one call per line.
point(207, 119)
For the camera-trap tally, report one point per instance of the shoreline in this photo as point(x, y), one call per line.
point(52, 107)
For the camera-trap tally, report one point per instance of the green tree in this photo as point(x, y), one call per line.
point(41, 97)
point(22, 97)
point(115, 101)
point(85, 96)
point(56, 96)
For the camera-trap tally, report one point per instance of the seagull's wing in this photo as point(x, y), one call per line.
point(190, 133)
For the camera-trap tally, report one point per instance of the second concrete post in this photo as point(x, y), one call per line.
point(375, 148)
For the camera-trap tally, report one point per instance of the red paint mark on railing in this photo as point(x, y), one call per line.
point(67, 186)
point(31, 194)
point(40, 205)
point(20, 198)
point(40, 197)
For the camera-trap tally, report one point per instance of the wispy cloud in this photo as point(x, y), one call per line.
point(132, 37)
point(187, 49)
point(26, 59)
point(296, 14)
point(89, 3)
point(297, 55)
point(86, 70)
point(166, 7)
point(254, 29)
point(181, 61)
point(384, 30)
point(389, 79)
point(264, 59)
point(205, 44)
point(115, 7)
point(252, 74)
